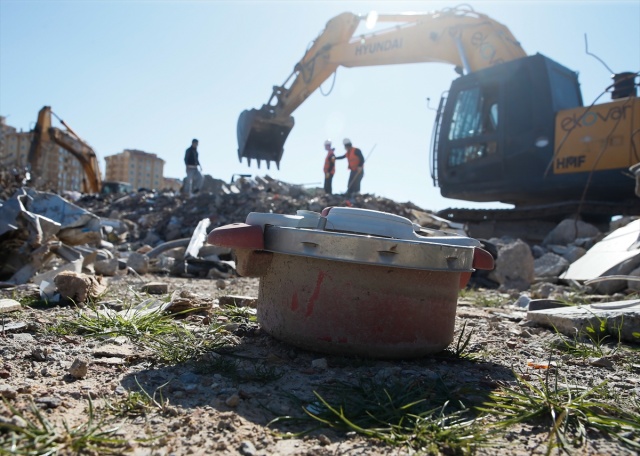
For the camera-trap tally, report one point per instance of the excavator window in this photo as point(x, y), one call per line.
point(474, 125)
point(466, 115)
point(565, 90)
point(475, 113)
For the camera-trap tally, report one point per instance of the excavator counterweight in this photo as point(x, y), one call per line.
point(261, 136)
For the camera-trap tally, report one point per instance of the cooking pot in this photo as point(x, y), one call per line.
point(352, 281)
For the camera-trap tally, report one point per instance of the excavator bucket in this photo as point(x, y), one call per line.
point(262, 136)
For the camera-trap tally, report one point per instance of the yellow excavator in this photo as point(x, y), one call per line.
point(45, 134)
point(512, 127)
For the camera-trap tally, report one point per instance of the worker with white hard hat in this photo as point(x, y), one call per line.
point(329, 167)
point(355, 161)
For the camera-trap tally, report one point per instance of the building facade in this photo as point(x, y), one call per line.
point(171, 183)
point(140, 169)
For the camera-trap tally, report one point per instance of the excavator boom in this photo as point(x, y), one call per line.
point(461, 37)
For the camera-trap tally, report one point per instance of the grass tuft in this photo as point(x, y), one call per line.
point(38, 436)
point(568, 412)
point(420, 415)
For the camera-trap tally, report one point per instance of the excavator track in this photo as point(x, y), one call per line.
point(533, 223)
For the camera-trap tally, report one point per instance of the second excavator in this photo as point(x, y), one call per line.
point(512, 128)
point(45, 134)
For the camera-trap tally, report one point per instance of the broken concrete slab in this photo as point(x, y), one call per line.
point(618, 253)
point(198, 239)
point(12, 326)
point(9, 305)
point(620, 317)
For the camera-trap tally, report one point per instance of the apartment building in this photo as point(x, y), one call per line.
point(171, 183)
point(59, 171)
point(140, 169)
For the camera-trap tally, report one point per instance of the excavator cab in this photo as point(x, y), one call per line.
point(519, 133)
point(261, 136)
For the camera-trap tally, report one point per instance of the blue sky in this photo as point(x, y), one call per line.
point(151, 75)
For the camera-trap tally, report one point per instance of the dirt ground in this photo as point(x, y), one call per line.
point(224, 401)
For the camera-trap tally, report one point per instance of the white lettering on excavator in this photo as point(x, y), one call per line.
point(589, 118)
point(485, 48)
point(380, 46)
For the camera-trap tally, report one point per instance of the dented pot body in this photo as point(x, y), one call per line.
point(353, 281)
point(354, 309)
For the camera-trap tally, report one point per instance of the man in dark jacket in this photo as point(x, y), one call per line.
point(193, 181)
point(355, 160)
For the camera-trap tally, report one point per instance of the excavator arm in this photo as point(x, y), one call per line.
point(45, 133)
point(461, 37)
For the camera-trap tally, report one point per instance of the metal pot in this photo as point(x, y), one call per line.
point(354, 281)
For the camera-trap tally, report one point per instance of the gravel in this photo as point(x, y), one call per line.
point(200, 408)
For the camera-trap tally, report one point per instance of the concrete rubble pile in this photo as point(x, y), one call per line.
point(42, 234)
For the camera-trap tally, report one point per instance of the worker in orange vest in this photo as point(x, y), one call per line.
point(329, 167)
point(355, 160)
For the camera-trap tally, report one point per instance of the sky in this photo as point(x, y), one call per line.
point(151, 75)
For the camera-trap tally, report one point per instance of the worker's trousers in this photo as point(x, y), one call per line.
point(355, 177)
point(193, 181)
point(328, 188)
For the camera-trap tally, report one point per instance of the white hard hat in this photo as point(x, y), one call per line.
point(327, 142)
point(346, 141)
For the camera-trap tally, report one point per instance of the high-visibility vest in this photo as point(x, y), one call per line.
point(329, 164)
point(352, 158)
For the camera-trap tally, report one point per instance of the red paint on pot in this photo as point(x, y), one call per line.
point(315, 294)
point(379, 311)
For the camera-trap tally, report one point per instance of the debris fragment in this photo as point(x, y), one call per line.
point(79, 368)
point(9, 305)
point(79, 287)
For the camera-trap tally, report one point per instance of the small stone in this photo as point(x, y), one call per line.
point(601, 362)
point(23, 338)
point(156, 288)
point(247, 448)
point(106, 267)
point(233, 400)
point(79, 368)
point(49, 401)
point(19, 421)
point(324, 440)
point(40, 353)
point(138, 262)
point(8, 392)
point(120, 390)
point(221, 284)
point(79, 287)
point(320, 363)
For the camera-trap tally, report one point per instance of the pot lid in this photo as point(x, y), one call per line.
point(364, 236)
